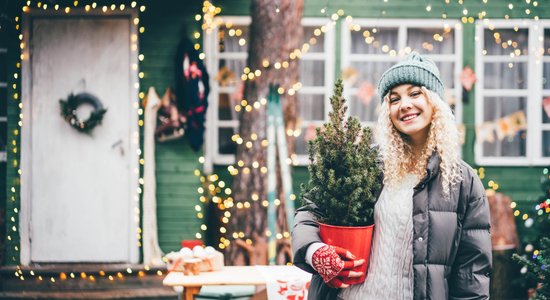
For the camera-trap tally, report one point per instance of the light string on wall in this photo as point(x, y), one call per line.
point(209, 22)
point(13, 208)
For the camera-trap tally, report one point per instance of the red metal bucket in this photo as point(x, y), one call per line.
point(356, 240)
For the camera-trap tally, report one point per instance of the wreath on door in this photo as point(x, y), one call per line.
point(70, 106)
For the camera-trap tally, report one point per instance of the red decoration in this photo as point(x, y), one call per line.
point(546, 105)
point(468, 78)
point(311, 133)
point(365, 92)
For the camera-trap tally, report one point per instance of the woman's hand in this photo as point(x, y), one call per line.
point(335, 263)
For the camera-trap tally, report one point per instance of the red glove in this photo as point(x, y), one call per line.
point(334, 263)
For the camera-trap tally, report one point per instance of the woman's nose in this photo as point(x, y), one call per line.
point(406, 103)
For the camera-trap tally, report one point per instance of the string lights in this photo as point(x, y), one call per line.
point(13, 204)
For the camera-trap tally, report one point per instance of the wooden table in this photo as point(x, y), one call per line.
point(237, 275)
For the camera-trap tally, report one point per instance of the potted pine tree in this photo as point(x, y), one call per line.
point(345, 181)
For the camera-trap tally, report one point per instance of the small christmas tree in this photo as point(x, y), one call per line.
point(539, 268)
point(345, 176)
point(535, 258)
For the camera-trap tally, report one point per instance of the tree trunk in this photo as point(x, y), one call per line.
point(273, 36)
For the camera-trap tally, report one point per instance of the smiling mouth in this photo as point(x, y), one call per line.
point(409, 117)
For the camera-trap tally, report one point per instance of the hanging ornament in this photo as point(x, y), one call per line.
point(311, 133)
point(468, 78)
point(546, 106)
point(366, 92)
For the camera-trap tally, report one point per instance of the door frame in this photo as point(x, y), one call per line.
point(134, 242)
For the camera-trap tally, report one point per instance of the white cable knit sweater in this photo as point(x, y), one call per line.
point(390, 274)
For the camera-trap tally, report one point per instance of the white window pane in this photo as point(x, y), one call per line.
point(547, 42)
point(507, 141)
point(447, 73)
point(225, 143)
point(369, 72)
point(229, 72)
point(505, 41)
point(370, 42)
point(226, 107)
point(546, 143)
point(301, 143)
point(366, 111)
point(506, 75)
point(545, 118)
point(312, 107)
point(431, 40)
point(234, 39)
point(316, 43)
point(312, 72)
point(546, 76)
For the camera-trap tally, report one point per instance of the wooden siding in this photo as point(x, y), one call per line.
point(176, 185)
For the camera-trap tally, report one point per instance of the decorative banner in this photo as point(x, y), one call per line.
point(507, 126)
point(468, 78)
point(546, 105)
point(366, 92)
point(349, 76)
point(504, 128)
point(519, 120)
point(485, 132)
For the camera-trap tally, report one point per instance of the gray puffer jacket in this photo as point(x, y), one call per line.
point(451, 245)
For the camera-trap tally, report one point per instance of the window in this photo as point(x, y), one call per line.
point(372, 46)
point(512, 92)
point(226, 52)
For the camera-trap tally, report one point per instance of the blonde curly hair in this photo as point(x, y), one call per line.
point(443, 137)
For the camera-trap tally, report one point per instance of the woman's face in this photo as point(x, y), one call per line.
point(410, 112)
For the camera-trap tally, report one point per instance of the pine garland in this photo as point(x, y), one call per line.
point(345, 176)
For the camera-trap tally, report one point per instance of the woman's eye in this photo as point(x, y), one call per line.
point(393, 100)
point(415, 94)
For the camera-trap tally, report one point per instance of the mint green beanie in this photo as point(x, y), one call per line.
point(415, 69)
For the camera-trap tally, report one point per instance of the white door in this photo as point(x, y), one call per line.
point(80, 190)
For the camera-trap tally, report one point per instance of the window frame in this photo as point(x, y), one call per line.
point(212, 155)
point(533, 93)
point(402, 25)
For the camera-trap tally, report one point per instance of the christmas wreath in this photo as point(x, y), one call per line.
point(70, 106)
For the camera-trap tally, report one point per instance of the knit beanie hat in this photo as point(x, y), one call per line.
point(415, 69)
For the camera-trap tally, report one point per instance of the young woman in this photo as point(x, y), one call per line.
point(431, 238)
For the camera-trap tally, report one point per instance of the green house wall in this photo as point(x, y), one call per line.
point(166, 22)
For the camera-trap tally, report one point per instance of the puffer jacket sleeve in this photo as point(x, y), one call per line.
point(304, 233)
point(471, 270)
